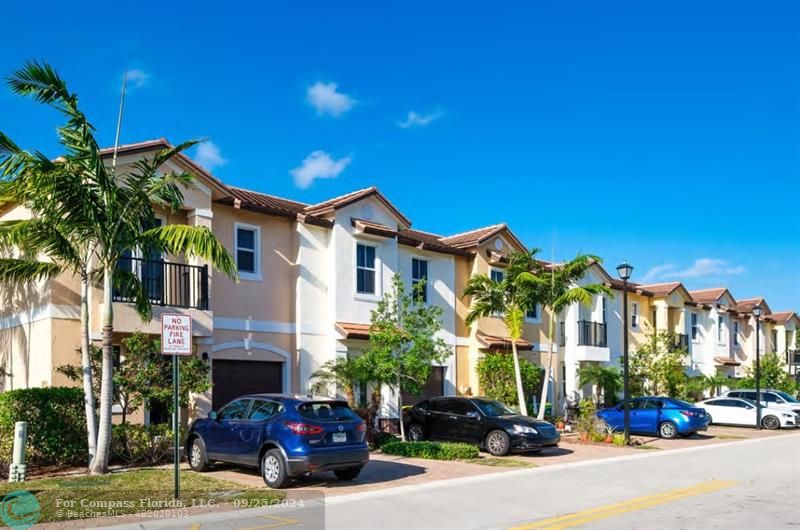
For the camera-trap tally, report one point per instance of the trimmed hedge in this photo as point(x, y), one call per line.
point(432, 450)
point(56, 425)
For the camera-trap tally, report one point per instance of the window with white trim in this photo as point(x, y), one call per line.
point(419, 274)
point(721, 329)
point(365, 269)
point(247, 243)
point(736, 332)
point(496, 276)
point(634, 315)
point(533, 313)
point(695, 328)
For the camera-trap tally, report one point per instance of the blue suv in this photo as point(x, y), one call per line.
point(664, 416)
point(284, 436)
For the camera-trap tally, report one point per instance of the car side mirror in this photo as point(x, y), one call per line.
point(472, 414)
point(212, 415)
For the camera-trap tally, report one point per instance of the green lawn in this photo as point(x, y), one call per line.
point(81, 497)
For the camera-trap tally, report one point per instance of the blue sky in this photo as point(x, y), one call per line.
point(664, 133)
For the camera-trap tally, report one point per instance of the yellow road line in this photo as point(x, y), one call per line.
point(603, 512)
point(280, 521)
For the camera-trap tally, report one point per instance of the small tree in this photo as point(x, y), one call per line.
point(657, 366)
point(343, 372)
point(403, 342)
point(498, 380)
point(144, 375)
point(606, 380)
point(773, 375)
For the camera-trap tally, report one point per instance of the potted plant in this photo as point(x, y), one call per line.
point(609, 430)
point(560, 423)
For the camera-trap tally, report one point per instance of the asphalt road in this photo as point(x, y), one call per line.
point(753, 484)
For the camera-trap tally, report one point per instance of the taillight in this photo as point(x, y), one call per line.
point(304, 428)
point(362, 427)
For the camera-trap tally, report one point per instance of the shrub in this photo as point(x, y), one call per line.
point(141, 445)
point(497, 379)
point(432, 450)
point(56, 425)
point(382, 438)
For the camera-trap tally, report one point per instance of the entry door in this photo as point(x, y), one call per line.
point(433, 387)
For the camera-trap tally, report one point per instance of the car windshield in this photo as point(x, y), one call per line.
point(493, 408)
point(327, 411)
point(787, 397)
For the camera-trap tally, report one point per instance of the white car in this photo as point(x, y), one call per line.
point(775, 399)
point(738, 411)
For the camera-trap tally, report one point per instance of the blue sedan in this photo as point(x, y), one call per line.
point(664, 416)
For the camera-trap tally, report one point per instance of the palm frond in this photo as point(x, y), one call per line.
point(21, 271)
point(196, 241)
point(131, 287)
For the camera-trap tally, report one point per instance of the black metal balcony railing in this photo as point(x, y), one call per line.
point(681, 341)
point(562, 334)
point(166, 283)
point(592, 334)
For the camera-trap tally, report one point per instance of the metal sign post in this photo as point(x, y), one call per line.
point(176, 340)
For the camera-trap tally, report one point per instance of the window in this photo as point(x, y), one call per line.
point(655, 319)
point(365, 269)
point(774, 338)
point(736, 333)
point(604, 310)
point(634, 315)
point(327, 411)
point(533, 313)
point(720, 329)
point(247, 241)
point(235, 410)
point(496, 276)
point(695, 329)
point(419, 275)
point(263, 410)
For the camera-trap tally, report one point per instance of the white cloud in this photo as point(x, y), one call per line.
point(701, 268)
point(137, 78)
point(327, 100)
point(209, 156)
point(318, 165)
point(415, 119)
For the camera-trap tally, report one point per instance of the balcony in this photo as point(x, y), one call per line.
point(167, 284)
point(171, 288)
point(592, 343)
point(592, 334)
point(681, 341)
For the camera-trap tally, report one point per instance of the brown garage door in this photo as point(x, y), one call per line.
point(231, 379)
point(434, 387)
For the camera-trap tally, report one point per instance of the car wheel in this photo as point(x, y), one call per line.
point(668, 430)
point(415, 432)
point(198, 460)
point(710, 419)
point(273, 469)
point(349, 473)
point(771, 422)
point(498, 443)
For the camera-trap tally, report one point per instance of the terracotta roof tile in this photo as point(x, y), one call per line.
point(493, 342)
point(330, 205)
point(707, 296)
point(661, 289)
point(782, 316)
point(726, 361)
point(474, 237)
point(353, 331)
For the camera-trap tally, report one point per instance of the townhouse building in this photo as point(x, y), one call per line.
point(310, 275)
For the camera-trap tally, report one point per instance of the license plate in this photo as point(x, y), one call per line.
point(339, 437)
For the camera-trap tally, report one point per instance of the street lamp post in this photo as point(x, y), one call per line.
point(625, 271)
point(756, 315)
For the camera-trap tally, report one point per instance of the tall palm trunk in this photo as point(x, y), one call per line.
point(549, 369)
point(100, 464)
point(523, 407)
point(400, 410)
point(86, 367)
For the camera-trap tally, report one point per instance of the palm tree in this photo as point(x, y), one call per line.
point(556, 287)
point(342, 372)
point(714, 383)
point(114, 212)
point(606, 380)
point(510, 297)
